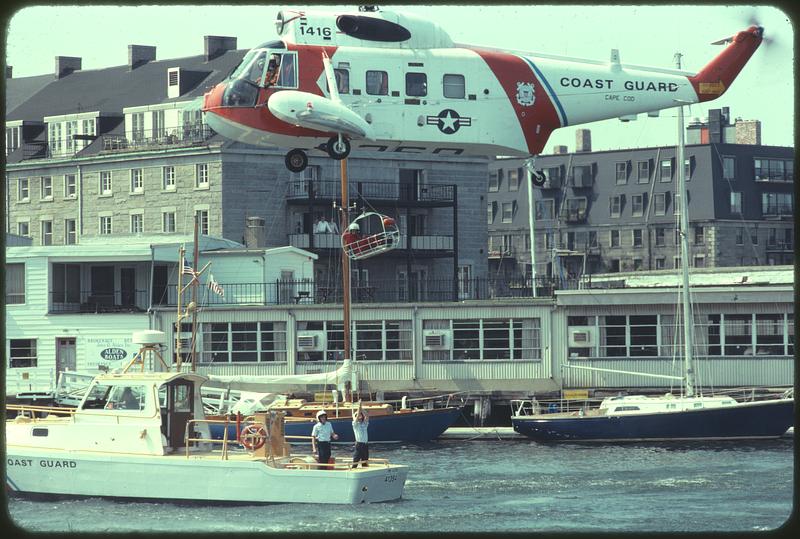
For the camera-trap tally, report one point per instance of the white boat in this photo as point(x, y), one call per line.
point(143, 435)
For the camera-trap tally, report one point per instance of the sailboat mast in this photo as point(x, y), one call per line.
point(345, 222)
point(688, 319)
point(179, 317)
point(196, 260)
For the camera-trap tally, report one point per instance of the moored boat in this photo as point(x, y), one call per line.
point(144, 435)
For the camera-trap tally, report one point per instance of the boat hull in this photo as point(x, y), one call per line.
point(412, 426)
point(196, 478)
point(752, 420)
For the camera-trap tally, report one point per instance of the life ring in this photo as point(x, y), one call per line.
point(253, 436)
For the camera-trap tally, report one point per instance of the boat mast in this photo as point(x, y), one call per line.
point(196, 260)
point(344, 222)
point(688, 319)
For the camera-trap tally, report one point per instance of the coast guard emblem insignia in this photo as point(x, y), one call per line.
point(525, 94)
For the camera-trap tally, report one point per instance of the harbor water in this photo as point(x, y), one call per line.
point(496, 486)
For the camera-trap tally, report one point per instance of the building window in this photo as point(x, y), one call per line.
point(660, 237)
point(22, 353)
point(776, 204)
point(71, 129)
point(736, 203)
point(66, 283)
point(740, 236)
point(676, 236)
point(168, 221)
point(700, 261)
point(660, 263)
point(453, 86)
point(665, 170)
point(24, 228)
point(643, 168)
point(699, 235)
point(377, 83)
point(592, 238)
point(545, 209)
point(416, 84)
point(774, 170)
point(582, 176)
point(637, 264)
point(47, 232)
point(137, 223)
point(677, 204)
point(12, 139)
point(687, 168)
point(70, 186)
point(637, 205)
point(637, 237)
point(159, 128)
point(105, 182)
point(23, 190)
point(615, 206)
point(137, 126)
point(201, 176)
point(243, 342)
point(70, 232)
point(137, 180)
point(202, 220)
point(490, 339)
point(47, 188)
point(660, 204)
point(168, 178)
point(614, 238)
point(508, 212)
point(105, 225)
point(15, 284)
point(728, 168)
point(494, 182)
point(754, 237)
point(622, 173)
point(513, 179)
point(490, 211)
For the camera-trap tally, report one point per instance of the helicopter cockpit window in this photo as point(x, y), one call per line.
point(287, 73)
point(244, 82)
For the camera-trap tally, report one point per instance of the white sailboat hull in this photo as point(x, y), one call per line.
point(203, 477)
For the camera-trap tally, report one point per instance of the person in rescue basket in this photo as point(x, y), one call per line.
point(360, 426)
point(321, 436)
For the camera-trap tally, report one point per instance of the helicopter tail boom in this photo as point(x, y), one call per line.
point(712, 81)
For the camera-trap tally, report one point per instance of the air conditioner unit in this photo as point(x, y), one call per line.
point(435, 339)
point(580, 337)
point(311, 341)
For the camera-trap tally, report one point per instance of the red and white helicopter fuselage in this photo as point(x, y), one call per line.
point(401, 85)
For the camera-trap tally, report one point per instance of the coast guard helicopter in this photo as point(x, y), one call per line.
point(394, 82)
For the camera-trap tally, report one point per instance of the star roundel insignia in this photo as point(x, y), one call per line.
point(448, 121)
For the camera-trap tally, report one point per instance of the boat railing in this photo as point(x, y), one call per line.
point(533, 406)
point(38, 412)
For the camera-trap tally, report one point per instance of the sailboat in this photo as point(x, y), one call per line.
point(689, 416)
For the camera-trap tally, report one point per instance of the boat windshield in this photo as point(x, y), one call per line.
point(115, 397)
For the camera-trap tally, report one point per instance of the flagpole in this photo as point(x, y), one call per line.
point(195, 282)
point(179, 318)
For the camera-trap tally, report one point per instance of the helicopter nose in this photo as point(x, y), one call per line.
point(213, 98)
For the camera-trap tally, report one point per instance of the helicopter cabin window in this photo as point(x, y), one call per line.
point(416, 84)
point(454, 87)
point(377, 83)
point(342, 80)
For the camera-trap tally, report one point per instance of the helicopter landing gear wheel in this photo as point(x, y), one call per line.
point(296, 160)
point(538, 178)
point(338, 147)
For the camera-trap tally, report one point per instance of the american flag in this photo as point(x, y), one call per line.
point(188, 270)
point(214, 286)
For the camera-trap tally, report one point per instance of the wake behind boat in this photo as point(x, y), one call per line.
point(144, 435)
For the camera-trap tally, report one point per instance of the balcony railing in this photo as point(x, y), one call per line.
point(333, 241)
point(374, 191)
point(182, 136)
point(777, 210)
point(375, 291)
point(111, 301)
point(774, 245)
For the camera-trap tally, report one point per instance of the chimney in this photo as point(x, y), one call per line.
point(583, 140)
point(254, 237)
point(139, 55)
point(217, 45)
point(9, 69)
point(66, 65)
point(748, 132)
point(560, 149)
